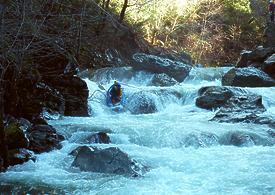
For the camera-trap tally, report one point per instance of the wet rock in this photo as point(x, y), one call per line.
point(44, 138)
point(163, 80)
point(96, 138)
point(213, 97)
point(20, 156)
point(110, 160)
point(245, 139)
point(269, 66)
point(258, 55)
point(75, 93)
point(14, 134)
point(235, 105)
point(247, 77)
point(141, 103)
point(242, 108)
point(175, 69)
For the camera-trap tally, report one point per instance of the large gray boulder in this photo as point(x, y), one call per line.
point(175, 69)
point(213, 97)
point(110, 160)
point(247, 77)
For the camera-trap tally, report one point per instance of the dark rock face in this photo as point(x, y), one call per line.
point(43, 138)
point(269, 66)
point(269, 35)
point(247, 77)
point(75, 93)
point(258, 55)
point(110, 160)
point(96, 138)
point(15, 137)
point(141, 103)
point(155, 64)
point(163, 80)
point(20, 156)
point(213, 97)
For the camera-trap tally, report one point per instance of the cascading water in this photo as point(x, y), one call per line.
point(186, 152)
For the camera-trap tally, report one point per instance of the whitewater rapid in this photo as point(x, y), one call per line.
point(179, 144)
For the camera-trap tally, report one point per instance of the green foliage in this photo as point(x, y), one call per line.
point(213, 31)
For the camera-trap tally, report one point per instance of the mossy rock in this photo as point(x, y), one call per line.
point(15, 136)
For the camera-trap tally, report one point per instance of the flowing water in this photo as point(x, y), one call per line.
point(180, 145)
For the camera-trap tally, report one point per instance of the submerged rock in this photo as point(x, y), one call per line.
point(175, 69)
point(142, 103)
point(163, 80)
point(110, 160)
point(44, 138)
point(247, 77)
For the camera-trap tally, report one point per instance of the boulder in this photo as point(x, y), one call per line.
point(162, 80)
point(256, 56)
point(14, 134)
point(242, 108)
point(247, 77)
point(44, 138)
point(75, 93)
point(269, 66)
point(141, 103)
point(235, 105)
point(20, 156)
point(213, 97)
point(175, 69)
point(245, 139)
point(109, 160)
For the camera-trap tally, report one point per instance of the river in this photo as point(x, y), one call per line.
point(179, 144)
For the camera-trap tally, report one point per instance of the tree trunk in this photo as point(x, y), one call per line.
point(123, 10)
point(3, 147)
